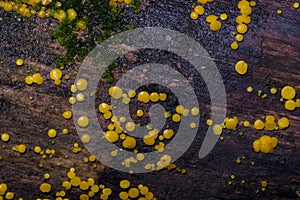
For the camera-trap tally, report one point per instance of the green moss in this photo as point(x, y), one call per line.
point(101, 24)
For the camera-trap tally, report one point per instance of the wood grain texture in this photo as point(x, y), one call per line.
point(272, 50)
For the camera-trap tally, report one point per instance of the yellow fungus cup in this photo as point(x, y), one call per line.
point(288, 92)
point(45, 187)
point(55, 74)
point(241, 67)
point(129, 142)
point(71, 14)
point(194, 15)
point(5, 137)
point(19, 62)
point(81, 24)
point(265, 144)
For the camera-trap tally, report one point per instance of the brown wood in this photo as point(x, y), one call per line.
point(272, 49)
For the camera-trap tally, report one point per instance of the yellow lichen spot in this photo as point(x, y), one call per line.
point(185, 112)
point(75, 181)
point(211, 18)
point(223, 16)
point(104, 107)
point(67, 114)
point(215, 25)
point(168, 133)
point(193, 125)
point(203, 1)
point(265, 144)
point(194, 15)
point(80, 97)
point(133, 193)
point(65, 131)
point(71, 14)
point(111, 136)
point(149, 195)
point(52, 133)
point(21, 148)
point(81, 84)
point(218, 129)
point(85, 138)
point(234, 45)
point(199, 10)
point(163, 96)
point(123, 195)
point(5, 137)
point(38, 79)
point(41, 14)
point(139, 113)
point(81, 24)
point(297, 103)
point(45, 187)
point(256, 145)
point(290, 105)
point(144, 97)
point(231, 123)
point(46, 176)
point(85, 160)
point(264, 183)
point(19, 62)
point(73, 88)
point(149, 140)
point(92, 158)
point(273, 90)
point(129, 142)
point(3, 188)
point(179, 109)
point(84, 197)
point(115, 92)
point(246, 124)
point(140, 156)
point(29, 80)
point(83, 121)
point(84, 185)
point(283, 123)
point(122, 119)
point(167, 114)
point(37, 149)
point(288, 92)
point(124, 184)
point(55, 74)
point(252, 3)
point(246, 10)
point(131, 93)
point(259, 124)
point(130, 126)
point(107, 191)
point(279, 12)
point(67, 185)
point(195, 111)
point(242, 28)
point(241, 67)
point(249, 89)
point(239, 37)
point(127, 2)
point(176, 118)
point(209, 122)
point(9, 195)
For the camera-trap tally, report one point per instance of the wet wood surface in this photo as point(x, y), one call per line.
point(272, 50)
